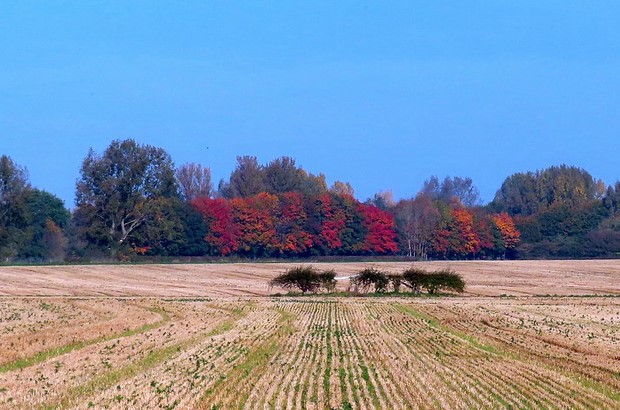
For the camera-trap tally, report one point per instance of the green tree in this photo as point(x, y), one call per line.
point(47, 221)
point(531, 193)
point(245, 181)
point(282, 175)
point(14, 223)
point(116, 190)
point(342, 188)
point(174, 228)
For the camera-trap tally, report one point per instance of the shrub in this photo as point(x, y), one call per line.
point(446, 279)
point(415, 279)
point(306, 279)
point(433, 282)
point(395, 280)
point(371, 276)
point(328, 280)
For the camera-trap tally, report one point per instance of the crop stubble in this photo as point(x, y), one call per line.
point(167, 352)
point(324, 353)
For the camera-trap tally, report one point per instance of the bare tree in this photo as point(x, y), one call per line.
point(416, 220)
point(194, 181)
point(462, 189)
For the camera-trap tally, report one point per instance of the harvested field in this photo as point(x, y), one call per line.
point(203, 337)
point(391, 353)
point(484, 278)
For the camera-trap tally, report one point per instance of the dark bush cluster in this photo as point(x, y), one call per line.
point(306, 279)
point(370, 277)
point(415, 279)
point(433, 282)
point(309, 279)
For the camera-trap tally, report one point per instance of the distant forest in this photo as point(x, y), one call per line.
point(133, 204)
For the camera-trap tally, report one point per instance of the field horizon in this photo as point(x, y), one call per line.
point(483, 278)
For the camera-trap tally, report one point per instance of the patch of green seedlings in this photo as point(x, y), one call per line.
point(434, 323)
point(255, 359)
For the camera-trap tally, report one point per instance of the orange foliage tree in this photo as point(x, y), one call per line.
point(508, 232)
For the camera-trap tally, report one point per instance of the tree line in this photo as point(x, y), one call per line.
point(132, 202)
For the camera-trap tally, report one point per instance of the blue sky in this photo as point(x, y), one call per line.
point(382, 94)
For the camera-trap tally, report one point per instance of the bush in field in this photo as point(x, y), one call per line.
point(395, 280)
point(415, 279)
point(328, 280)
point(371, 277)
point(445, 279)
point(433, 282)
point(306, 279)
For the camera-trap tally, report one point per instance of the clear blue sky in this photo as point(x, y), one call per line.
point(382, 94)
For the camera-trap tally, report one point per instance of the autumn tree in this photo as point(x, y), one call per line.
point(508, 232)
point(222, 235)
point(194, 181)
point(380, 238)
point(327, 222)
point(456, 236)
point(292, 236)
point(255, 221)
point(116, 189)
point(488, 239)
point(465, 238)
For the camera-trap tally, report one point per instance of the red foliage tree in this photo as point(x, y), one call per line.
point(292, 238)
point(484, 227)
point(381, 233)
point(223, 238)
point(332, 222)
